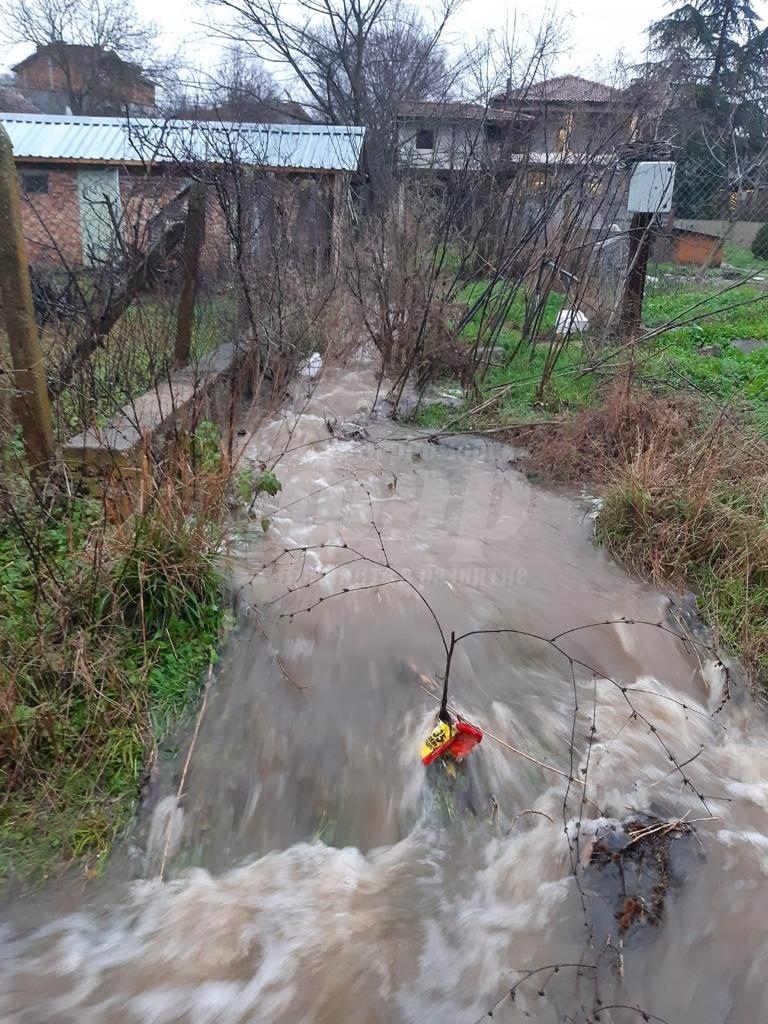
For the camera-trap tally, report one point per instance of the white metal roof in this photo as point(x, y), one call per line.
point(117, 140)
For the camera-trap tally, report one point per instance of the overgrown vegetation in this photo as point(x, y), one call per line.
point(694, 515)
point(698, 357)
point(106, 628)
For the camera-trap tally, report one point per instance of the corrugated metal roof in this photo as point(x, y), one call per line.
point(117, 140)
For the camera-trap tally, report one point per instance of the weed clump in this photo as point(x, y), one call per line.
point(592, 443)
point(106, 628)
point(760, 243)
point(695, 516)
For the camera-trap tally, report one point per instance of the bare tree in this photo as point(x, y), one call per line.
point(99, 48)
point(242, 88)
point(354, 61)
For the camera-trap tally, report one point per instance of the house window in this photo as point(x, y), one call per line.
point(492, 132)
point(425, 138)
point(34, 183)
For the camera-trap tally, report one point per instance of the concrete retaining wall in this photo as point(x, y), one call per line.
point(120, 448)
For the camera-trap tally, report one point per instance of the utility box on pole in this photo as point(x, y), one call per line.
point(651, 186)
point(650, 193)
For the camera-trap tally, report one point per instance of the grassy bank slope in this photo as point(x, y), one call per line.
point(105, 633)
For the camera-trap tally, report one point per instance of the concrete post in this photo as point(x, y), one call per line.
point(193, 242)
point(30, 402)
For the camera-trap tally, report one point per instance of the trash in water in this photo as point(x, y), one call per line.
point(628, 869)
point(595, 508)
point(454, 740)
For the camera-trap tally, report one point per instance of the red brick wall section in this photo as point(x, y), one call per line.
point(42, 73)
point(143, 197)
point(51, 221)
point(216, 254)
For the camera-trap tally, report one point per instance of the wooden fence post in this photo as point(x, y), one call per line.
point(193, 242)
point(30, 402)
point(634, 286)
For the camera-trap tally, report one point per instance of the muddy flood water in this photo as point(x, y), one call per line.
point(308, 873)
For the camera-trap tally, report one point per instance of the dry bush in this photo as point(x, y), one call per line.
point(597, 443)
point(395, 274)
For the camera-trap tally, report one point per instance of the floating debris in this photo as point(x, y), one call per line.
point(630, 867)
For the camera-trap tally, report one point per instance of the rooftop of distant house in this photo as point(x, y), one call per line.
point(563, 89)
point(439, 110)
point(74, 51)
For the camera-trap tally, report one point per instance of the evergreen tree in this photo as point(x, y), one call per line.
point(714, 52)
point(720, 42)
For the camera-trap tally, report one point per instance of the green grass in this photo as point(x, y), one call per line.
point(500, 295)
point(728, 375)
point(744, 260)
point(519, 374)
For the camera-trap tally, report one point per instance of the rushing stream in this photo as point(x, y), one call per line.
point(305, 876)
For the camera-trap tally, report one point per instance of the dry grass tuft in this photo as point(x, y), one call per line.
point(693, 514)
point(593, 443)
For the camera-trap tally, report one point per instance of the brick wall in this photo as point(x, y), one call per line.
point(298, 205)
point(104, 75)
point(144, 196)
point(51, 220)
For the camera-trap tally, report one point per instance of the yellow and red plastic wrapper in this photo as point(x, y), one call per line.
point(450, 739)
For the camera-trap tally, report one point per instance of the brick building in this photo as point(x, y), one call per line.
point(66, 78)
point(95, 188)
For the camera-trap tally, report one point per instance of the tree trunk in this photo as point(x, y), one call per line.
point(30, 402)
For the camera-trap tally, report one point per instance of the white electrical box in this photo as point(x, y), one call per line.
point(650, 188)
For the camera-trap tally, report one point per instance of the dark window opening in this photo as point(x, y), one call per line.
point(34, 183)
point(492, 132)
point(425, 138)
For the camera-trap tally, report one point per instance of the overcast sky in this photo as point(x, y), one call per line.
point(597, 29)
